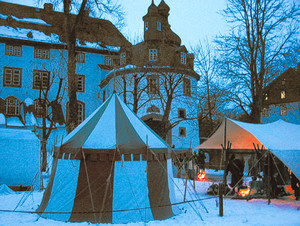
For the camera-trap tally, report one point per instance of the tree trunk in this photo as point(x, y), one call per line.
point(72, 117)
point(135, 94)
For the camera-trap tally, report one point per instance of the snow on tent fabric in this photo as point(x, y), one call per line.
point(111, 169)
point(280, 137)
point(19, 158)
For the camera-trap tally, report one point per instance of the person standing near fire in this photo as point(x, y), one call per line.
point(236, 168)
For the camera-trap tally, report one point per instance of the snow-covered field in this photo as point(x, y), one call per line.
point(236, 212)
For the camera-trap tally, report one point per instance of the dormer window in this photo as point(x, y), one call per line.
point(146, 26)
point(282, 94)
point(183, 58)
point(159, 26)
point(152, 54)
point(123, 58)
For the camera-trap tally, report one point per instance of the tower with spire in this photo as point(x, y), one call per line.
point(145, 67)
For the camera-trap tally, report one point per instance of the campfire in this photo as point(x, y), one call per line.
point(244, 192)
point(201, 175)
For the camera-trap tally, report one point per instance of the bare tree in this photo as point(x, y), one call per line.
point(211, 96)
point(261, 30)
point(74, 12)
point(56, 84)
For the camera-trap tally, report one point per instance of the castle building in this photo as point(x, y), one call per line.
point(33, 59)
point(156, 78)
point(282, 98)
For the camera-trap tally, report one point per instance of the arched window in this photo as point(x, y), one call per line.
point(282, 94)
point(12, 106)
point(159, 26)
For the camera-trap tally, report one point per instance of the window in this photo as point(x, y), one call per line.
point(186, 87)
point(81, 83)
point(12, 77)
point(159, 26)
point(146, 26)
point(80, 57)
point(42, 53)
point(41, 79)
point(265, 113)
point(183, 58)
point(283, 110)
point(181, 113)
point(81, 112)
point(266, 96)
point(182, 131)
point(40, 107)
point(13, 50)
point(282, 94)
point(12, 106)
point(152, 54)
point(107, 60)
point(153, 84)
point(123, 58)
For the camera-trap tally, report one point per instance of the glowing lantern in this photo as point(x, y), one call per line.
point(201, 175)
point(244, 192)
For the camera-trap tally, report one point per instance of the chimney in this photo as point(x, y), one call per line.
point(86, 12)
point(48, 7)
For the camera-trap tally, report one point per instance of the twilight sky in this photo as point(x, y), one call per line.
point(192, 20)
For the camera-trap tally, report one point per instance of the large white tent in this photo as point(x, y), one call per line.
point(280, 137)
point(19, 158)
point(111, 169)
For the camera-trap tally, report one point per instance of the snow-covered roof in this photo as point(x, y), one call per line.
point(28, 101)
point(94, 45)
point(30, 120)
point(22, 33)
point(14, 122)
point(2, 119)
point(30, 20)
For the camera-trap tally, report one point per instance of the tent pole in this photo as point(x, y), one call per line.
point(89, 185)
point(269, 178)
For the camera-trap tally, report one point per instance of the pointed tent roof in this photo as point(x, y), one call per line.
point(282, 138)
point(110, 126)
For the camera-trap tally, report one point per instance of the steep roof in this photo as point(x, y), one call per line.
point(282, 138)
point(113, 125)
point(21, 20)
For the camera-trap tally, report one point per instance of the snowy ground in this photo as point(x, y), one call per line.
point(236, 212)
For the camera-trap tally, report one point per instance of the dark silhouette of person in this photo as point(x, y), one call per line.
point(236, 168)
point(200, 160)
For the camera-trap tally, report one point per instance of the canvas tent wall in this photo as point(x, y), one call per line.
point(19, 158)
point(111, 168)
point(280, 137)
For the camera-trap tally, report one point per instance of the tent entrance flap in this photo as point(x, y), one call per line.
point(99, 174)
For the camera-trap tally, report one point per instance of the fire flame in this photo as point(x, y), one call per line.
point(244, 192)
point(201, 175)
